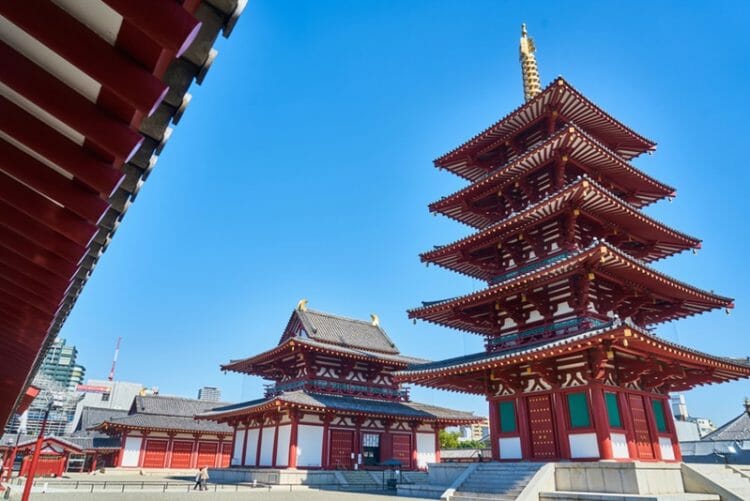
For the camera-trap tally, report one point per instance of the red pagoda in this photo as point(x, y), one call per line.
point(571, 368)
point(332, 402)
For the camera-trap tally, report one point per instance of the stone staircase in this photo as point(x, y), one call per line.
point(414, 477)
point(357, 480)
point(496, 481)
point(735, 482)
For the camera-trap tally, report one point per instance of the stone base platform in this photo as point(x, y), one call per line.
point(274, 476)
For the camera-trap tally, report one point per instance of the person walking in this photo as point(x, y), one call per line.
point(198, 479)
point(204, 478)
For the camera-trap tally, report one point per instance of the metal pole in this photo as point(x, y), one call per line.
point(35, 458)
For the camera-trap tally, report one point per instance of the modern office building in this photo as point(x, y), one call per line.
point(209, 394)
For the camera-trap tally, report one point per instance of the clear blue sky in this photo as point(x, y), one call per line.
point(303, 168)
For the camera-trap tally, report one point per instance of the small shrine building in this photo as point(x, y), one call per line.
point(572, 368)
point(333, 403)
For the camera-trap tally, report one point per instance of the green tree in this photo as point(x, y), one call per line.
point(448, 439)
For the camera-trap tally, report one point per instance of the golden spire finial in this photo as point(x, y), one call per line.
point(529, 70)
point(302, 305)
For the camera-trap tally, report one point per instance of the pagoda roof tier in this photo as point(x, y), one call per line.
point(342, 404)
point(656, 240)
point(582, 150)
point(265, 364)
point(679, 368)
point(570, 105)
point(619, 281)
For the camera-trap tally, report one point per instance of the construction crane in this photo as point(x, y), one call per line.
point(111, 376)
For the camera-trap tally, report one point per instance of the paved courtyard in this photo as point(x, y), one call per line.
point(297, 494)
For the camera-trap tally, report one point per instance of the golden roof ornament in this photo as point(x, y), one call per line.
point(529, 70)
point(302, 305)
point(374, 319)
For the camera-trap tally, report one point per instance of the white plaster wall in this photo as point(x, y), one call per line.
point(510, 448)
point(667, 451)
point(619, 445)
point(282, 447)
point(239, 439)
point(132, 451)
point(425, 449)
point(266, 447)
point(309, 445)
point(252, 447)
point(583, 445)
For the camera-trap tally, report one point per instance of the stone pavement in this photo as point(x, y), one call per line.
point(298, 494)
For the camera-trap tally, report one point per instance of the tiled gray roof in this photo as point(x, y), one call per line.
point(95, 441)
point(169, 406)
point(346, 332)
point(736, 429)
point(417, 410)
point(176, 423)
point(92, 416)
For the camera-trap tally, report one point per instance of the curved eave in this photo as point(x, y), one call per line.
point(108, 428)
point(582, 150)
point(625, 338)
point(245, 366)
point(603, 257)
point(278, 402)
point(574, 106)
point(590, 197)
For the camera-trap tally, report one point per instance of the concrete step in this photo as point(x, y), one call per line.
point(600, 496)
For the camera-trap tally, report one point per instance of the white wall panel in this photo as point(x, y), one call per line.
point(132, 451)
point(239, 439)
point(282, 447)
point(619, 446)
point(252, 447)
point(309, 445)
point(510, 448)
point(266, 446)
point(583, 445)
point(425, 449)
point(667, 451)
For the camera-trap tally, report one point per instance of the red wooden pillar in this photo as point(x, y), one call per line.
point(219, 452)
point(276, 419)
point(627, 422)
point(437, 429)
point(672, 430)
point(561, 427)
point(522, 410)
point(327, 418)
point(652, 431)
point(601, 421)
point(358, 420)
point(123, 439)
point(494, 429)
point(292, 461)
point(414, 463)
point(194, 453)
point(93, 462)
point(260, 440)
point(386, 444)
point(244, 442)
point(170, 449)
point(142, 452)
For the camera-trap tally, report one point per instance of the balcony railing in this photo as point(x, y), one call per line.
point(557, 329)
point(271, 390)
point(529, 267)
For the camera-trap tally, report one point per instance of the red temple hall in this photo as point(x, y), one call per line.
point(332, 401)
point(571, 367)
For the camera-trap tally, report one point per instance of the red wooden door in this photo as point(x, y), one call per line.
point(155, 454)
point(643, 443)
point(401, 448)
point(181, 452)
point(226, 455)
point(542, 427)
point(207, 454)
point(342, 446)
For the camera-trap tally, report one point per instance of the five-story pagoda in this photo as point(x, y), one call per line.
point(571, 367)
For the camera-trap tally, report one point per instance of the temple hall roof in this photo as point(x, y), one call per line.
point(737, 429)
point(342, 331)
point(354, 405)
